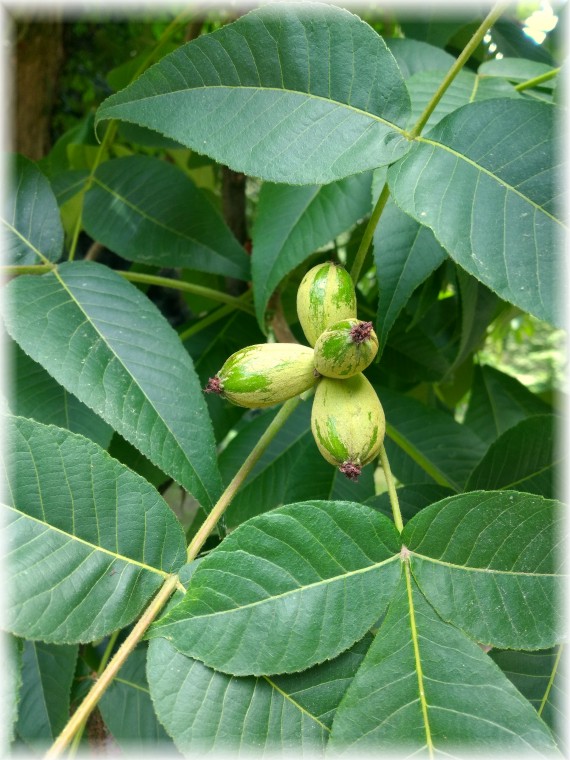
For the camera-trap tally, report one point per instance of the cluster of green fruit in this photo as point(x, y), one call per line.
point(347, 418)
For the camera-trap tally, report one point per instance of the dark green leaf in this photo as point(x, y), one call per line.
point(413, 56)
point(266, 486)
point(289, 93)
point(287, 590)
point(68, 184)
point(539, 677)
point(512, 42)
point(427, 445)
point(204, 710)
point(496, 213)
point(127, 708)
point(47, 674)
point(523, 458)
point(498, 402)
point(11, 662)
point(90, 541)
point(37, 395)
point(292, 222)
point(411, 499)
point(106, 343)
point(405, 253)
point(489, 562)
point(425, 686)
point(516, 70)
point(149, 211)
point(33, 227)
point(467, 87)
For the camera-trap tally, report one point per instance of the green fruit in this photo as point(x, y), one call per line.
point(265, 374)
point(345, 348)
point(348, 423)
point(325, 296)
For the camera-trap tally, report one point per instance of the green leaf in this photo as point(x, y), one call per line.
point(127, 708)
point(502, 188)
point(314, 478)
point(106, 343)
point(425, 686)
point(516, 70)
point(467, 87)
point(33, 231)
point(489, 562)
point(292, 222)
point(405, 254)
point(289, 93)
point(413, 56)
point(427, 445)
point(539, 677)
point(521, 459)
point(513, 42)
point(204, 710)
point(47, 675)
point(498, 402)
point(411, 499)
point(90, 541)
point(287, 590)
point(149, 211)
point(37, 395)
point(266, 486)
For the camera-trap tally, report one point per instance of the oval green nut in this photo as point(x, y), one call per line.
point(325, 296)
point(345, 348)
point(265, 374)
point(348, 423)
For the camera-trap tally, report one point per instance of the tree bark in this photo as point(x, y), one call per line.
point(37, 58)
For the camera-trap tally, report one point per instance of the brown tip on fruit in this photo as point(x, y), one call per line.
point(352, 471)
point(214, 386)
point(361, 332)
point(316, 373)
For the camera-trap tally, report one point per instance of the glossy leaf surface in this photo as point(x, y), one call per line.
point(106, 343)
point(287, 590)
point(89, 541)
point(302, 93)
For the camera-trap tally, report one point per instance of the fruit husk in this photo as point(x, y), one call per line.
point(345, 348)
point(348, 423)
point(325, 296)
point(265, 374)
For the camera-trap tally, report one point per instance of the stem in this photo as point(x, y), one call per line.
point(537, 80)
point(368, 234)
point(486, 24)
point(211, 318)
point(100, 669)
point(551, 680)
point(16, 269)
point(398, 522)
point(187, 287)
point(223, 502)
point(104, 680)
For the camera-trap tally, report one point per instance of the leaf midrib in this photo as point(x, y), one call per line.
point(276, 597)
point(130, 374)
point(92, 546)
point(489, 570)
point(493, 176)
point(295, 704)
point(241, 88)
point(155, 221)
point(420, 459)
